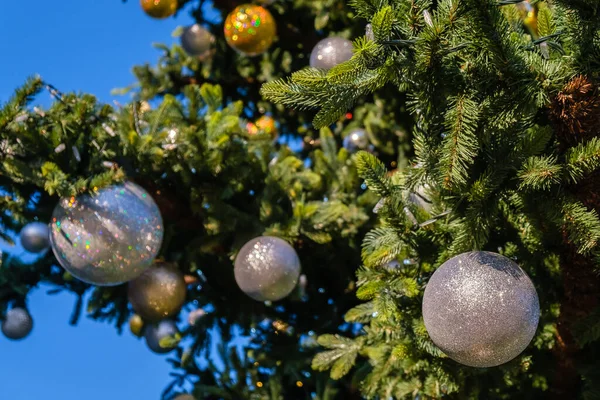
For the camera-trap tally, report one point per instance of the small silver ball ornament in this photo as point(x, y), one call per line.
point(356, 140)
point(18, 324)
point(154, 333)
point(481, 309)
point(35, 237)
point(196, 40)
point(108, 237)
point(267, 268)
point(330, 52)
point(369, 32)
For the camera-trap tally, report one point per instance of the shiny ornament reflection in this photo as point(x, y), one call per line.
point(330, 52)
point(159, 8)
point(481, 309)
point(154, 333)
point(356, 140)
point(250, 29)
point(109, 237)
point(196, 40)
point(267, 268)
point(35, 237)
point(158, 293)
point(17, 324)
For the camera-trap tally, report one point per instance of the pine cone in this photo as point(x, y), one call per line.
point(575, 111)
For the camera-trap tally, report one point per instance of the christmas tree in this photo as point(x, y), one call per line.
point(439, 206)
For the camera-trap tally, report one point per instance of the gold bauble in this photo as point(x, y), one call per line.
point(267, 125)
point(136, 325)
point(158, 293)
point(159, 8)
point(250, 29)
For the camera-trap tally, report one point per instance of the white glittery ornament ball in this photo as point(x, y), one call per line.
point(156, 332)
point(35, 237)
point(196, 40)
point(481, 309)
point(17, 324)
point(356, 140)
point(109, 237)
point(330, 52)
point(267, 268)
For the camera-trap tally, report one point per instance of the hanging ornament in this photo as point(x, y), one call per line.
point(529, 14)
point(267, 268)
point(420, 198)
point(158, 293)
point(17, 324)
point(267, 125)
point(35, 237)
point(155, 333)
point(109, 237)
point(369, 32)
point(159, 8)
point(330, 52)
point(197, 40)
point(250, 29)
point(136, 325)
point(356, 140)
point(481, 309)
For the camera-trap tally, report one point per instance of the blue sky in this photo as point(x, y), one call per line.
point(84, 46)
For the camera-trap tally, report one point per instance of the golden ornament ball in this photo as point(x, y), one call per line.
point(158, 293)
point(136, 325)
point(159, 8)
point(267, 125)
point(250, 29)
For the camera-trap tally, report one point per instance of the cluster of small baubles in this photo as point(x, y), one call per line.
point(250, 29)
point(159, 9)
point(17, 324)
point(264, 124)
point(108, 237)
point(330, 52)
point(267, 268)
point(481, 309)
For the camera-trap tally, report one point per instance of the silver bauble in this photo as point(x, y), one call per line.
point(330, 52)
point(369, 32)
point(17, 324)
point(267, 268)
point(109, 237)
point(154, 333)
point(420, 198)
point(196, 40)
point(481, 309)
point(35, 237)
point(356, 140)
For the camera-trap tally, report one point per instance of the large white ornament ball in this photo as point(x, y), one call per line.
point(330, 52)
point(156, 332)
point(109, 237)
point(481, 309)
point(267, 268)
point(356, 140)
point(17, 324)
point(196, 40)
point(35, 237)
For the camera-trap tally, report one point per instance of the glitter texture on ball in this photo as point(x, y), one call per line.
point(158, 293)
point(481, 309)
point(356, 140)
point(197, 40)
point(35, 237)
point(330, 52)
point(18, 324)
point(108, 237)
point(159, 8)
point(267, 268)
point(250, 29)
point(156, 332)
